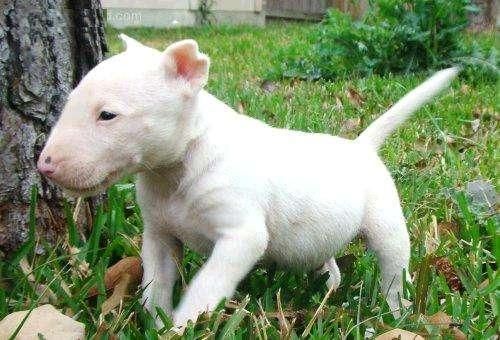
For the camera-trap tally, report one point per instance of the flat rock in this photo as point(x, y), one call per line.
point(44, 322)
point(482, 193)
point(399, 334)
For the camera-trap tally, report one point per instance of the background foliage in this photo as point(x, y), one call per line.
point(393, 37)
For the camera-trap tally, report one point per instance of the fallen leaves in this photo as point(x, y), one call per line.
point(129, 265)
point(120, 291)
point(442, 265)
point(338, 103)
point(446, 228)
point(122, 277)
point(79, 267)
point(399, 334)
point(354, 97)
point(351, 124)
point(45, 294)
point(285, 326)
point(444, 322)
point(486, 114)
point(475, 125)
point(484, 284)
point(240, 108)
point(432, 240)
point(465, 89)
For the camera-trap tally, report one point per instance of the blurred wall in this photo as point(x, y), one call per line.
point(171, 13)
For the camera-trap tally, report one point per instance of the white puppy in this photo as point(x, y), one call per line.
point(223, 183)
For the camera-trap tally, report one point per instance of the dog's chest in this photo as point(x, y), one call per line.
point(185, 226)
point(162, 209)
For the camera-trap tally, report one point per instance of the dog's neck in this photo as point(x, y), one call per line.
point(203, 115)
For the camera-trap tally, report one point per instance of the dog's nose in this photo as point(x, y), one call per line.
point(46, 166)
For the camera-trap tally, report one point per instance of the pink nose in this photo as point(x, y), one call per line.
point(46, 166)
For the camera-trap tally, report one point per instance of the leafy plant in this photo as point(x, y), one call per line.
point(393, 37)
point(205, 14)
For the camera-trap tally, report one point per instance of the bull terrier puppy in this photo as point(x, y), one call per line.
point(224, 184)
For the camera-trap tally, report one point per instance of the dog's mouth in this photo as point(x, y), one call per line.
point(92, 189)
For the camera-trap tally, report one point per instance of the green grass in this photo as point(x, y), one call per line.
point(431, 158)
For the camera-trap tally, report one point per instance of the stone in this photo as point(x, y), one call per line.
point(482, 193)
point(44, 322)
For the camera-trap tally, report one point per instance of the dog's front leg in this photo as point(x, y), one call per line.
point(232, 258)
point(161, 254)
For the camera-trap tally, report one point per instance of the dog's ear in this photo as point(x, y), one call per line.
point(183, 59)
point(130, 44)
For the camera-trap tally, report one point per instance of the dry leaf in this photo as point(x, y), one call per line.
point(399, 334)
point(84, 269)
point(286, 313)
point(240, 107)
point(128, 265)
point(431, 241)
point(406, 303)
point(484, 284)
point(475, 124)
point(485, 113)
point(338, 103)
point(369, 332)
point(445, 228)
point(104, 331)
point(119, 293)
point(444, 267)
point(26, 269)
point(421, 163)
point(288, 94)
point(283, 322)
point(46, 295)
point(351, 124)
point(268, 86)
point(465, 89)
point(444, 321)
point(458, 334)
point(440, 319)
point(354, 97)
point(449, 140)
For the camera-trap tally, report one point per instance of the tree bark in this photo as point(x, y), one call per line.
point(485, 18)
point(46, 46)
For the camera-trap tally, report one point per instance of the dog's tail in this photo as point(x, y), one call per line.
point(381, 128)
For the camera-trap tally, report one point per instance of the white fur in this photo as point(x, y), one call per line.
point(380, 129)
point(227, 185)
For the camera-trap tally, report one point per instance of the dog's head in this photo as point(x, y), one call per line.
point(132, 111)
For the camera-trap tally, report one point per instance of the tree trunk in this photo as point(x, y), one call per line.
point(485, 17)
point(46, 46)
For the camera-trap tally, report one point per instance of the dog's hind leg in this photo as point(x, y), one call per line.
point(332, 268)
point(386, 234)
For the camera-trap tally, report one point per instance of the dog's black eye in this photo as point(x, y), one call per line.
point(105, 115)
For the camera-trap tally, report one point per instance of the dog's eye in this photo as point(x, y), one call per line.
point(105, 115)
